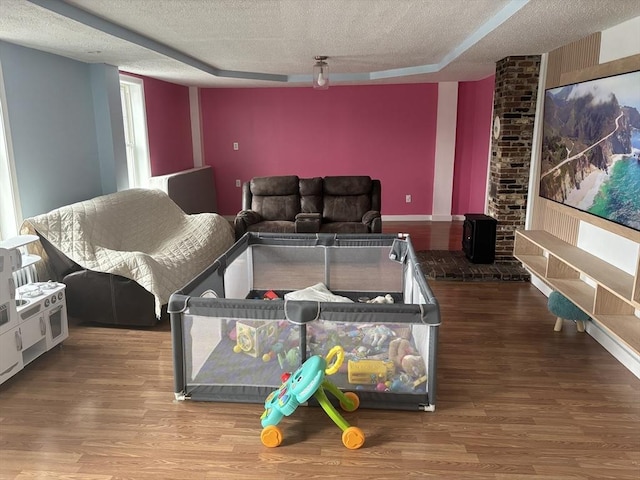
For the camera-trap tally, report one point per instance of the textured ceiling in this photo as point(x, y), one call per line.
point(273, 42)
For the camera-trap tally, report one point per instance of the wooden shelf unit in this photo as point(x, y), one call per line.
point(606, 293)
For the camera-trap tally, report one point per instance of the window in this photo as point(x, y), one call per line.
point(135, 131)
point(10, 212)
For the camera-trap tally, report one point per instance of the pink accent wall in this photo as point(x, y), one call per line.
point(387, 132)
point(473, 141)
point(168, 126)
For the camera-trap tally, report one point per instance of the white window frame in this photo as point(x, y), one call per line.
point(135, 131)
point(10, 209)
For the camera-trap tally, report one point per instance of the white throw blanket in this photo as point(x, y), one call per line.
point(139, 234)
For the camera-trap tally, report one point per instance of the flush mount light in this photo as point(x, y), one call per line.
point(321, 73)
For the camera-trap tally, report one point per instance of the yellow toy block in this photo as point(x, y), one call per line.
point(369, 372)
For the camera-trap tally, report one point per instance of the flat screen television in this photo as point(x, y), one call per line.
point(590, 158)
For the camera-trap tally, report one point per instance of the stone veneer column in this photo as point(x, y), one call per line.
point(514, 102)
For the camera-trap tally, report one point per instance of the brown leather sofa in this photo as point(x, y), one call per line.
point(289, 204)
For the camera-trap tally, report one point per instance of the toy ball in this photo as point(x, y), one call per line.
point(266, 357)
point(237, 348)
point(381, 387)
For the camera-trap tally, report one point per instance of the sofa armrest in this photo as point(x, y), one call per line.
point(308, 222)
point(373, 220)
point(244, 219)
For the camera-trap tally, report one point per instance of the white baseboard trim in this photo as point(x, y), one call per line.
point(406, 218)
point(441, 218)
point(611, 344)
point(614, 347)
point(539, 284)
point(458, 218)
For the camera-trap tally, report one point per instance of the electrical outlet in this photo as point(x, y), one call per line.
point(238, 183)
point(235, 145)
point(407, 198)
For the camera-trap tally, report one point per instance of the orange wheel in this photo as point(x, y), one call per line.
point(353, 438)
point(354, 400)
point(271, 436)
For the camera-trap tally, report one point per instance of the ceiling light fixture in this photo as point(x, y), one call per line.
point(321, 73)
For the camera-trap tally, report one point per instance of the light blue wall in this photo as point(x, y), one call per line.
point(51, 105)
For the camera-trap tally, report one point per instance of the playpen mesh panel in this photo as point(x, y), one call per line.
point(237, 276)
point(363, 269)
point(286, 267)
point(239, 352)
point(357, 269)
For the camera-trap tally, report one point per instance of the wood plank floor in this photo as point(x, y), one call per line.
point(516, 400)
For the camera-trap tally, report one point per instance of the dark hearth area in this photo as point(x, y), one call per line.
point(455, 266)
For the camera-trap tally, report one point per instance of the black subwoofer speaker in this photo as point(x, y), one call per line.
point(479, 238)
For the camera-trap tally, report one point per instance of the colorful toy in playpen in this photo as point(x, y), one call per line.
point(307, 381)
point(256, 338)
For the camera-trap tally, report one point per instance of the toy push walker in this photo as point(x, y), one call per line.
point(307, 381)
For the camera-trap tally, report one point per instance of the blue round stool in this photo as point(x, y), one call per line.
point(565, 309)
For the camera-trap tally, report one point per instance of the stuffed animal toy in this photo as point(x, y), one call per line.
point(405, 358)
point(377, 336)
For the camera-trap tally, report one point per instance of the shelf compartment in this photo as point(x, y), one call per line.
point(580, 293)
point(536, 264)
point(523, 246)
point(29, 259)
point(556, 268)
point(19, 241)
point(609, 304)
point(615, 280)
point(531, 255)
point(624, 327)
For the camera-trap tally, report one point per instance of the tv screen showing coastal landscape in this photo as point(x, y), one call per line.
point(590, 157)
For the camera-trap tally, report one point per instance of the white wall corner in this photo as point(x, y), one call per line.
point(196, 126)
point(445, 150)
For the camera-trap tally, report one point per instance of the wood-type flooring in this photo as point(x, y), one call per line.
point(516, 401)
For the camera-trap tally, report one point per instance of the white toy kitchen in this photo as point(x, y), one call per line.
point(33, 316)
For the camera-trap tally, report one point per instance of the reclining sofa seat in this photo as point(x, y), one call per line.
point(269, 204)
point(289, 204)
point(351, 204)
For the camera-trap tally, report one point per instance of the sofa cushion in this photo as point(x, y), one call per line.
point(280, 207)
point(345, 208)
point(273, 226)
point(344, 227)
point(276, 198)
point(282, 185)
point(347, 185)
point(346, 199)
point(311, 195)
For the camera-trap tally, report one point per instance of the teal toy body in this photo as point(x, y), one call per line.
point(297, 388)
